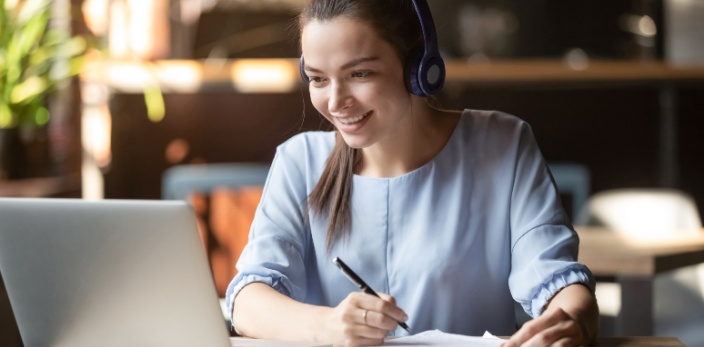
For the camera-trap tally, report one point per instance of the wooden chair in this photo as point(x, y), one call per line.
point(224, 198)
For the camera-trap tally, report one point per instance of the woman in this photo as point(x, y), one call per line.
point(454, 214)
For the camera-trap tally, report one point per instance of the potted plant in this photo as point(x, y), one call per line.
point(36, 59)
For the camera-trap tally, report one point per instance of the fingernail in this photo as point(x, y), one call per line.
point(405, 317)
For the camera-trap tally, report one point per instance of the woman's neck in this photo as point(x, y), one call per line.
point(419, 139)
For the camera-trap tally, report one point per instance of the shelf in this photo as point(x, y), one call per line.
point(531, 71)
point(282, 76)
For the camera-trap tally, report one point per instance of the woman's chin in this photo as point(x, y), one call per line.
point(355, 141)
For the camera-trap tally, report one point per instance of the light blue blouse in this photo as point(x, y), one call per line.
point(455, 241)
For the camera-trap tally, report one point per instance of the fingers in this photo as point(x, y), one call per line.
point(379, 320)
point(383, 313)
point(388, 298)
point(554, 328)
point(363, 319)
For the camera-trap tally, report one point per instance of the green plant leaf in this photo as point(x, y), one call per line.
point(73, 47)
point(154, 100)
point(42, 116)
point(32, 34)
point(75, 65)
point(13, 73)
point(30, 88)
point(5, 116)
point(31, 8)
point(35, 59)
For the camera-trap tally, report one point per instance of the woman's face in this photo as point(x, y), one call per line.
point(356, 80)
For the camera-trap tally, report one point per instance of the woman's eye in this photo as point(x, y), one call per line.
point(315, 79)
point(360, 74)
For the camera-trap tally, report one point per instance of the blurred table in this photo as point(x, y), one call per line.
point(634, 263)
point(41, 187)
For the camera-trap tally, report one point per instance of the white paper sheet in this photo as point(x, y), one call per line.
point(426, 338)
point(247, 342)
point(439, 338)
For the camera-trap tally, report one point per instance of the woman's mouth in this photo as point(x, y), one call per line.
point(353, 120)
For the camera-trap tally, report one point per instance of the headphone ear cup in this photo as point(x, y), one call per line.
point(412, 67)
point(431, 75)
point(301, 69)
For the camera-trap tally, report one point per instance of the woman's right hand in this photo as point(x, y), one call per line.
point(363, 320)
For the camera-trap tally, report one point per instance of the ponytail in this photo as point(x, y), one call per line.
point(334, 190)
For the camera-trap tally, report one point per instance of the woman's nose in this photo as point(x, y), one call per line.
point(340, 98)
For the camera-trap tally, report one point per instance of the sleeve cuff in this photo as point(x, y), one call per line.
point(576, 274)
point(242, 281)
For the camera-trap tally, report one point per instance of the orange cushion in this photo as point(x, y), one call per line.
point(231, 215)
point(199, 202)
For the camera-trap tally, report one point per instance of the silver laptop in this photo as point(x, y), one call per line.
point(109, 273)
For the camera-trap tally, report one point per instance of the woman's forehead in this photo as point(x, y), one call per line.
point(340, 28)
point(339, 37)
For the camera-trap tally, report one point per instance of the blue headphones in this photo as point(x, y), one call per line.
point(425, 69)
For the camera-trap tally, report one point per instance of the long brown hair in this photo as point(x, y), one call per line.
point(396, 22)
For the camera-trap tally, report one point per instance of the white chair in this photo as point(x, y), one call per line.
point(651, 213)
point(654, 214)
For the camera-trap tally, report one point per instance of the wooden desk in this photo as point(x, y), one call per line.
point(646, 341)
point(634, 265)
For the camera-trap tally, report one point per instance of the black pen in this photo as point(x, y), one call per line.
point(361, 284)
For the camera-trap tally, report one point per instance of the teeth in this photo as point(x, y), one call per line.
point(352, 120)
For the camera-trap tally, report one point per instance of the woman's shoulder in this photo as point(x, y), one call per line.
point(310, 142)
point(493, 124)
point(308, 149)
point(482, 129)
point(491, 119)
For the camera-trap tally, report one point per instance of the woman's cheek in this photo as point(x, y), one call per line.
point(319, 102)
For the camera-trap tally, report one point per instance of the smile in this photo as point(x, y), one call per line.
point(353, 120)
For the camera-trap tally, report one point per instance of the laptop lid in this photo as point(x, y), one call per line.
point(108, 273)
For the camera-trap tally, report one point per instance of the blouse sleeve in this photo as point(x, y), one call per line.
point(274, 253)
point(544, 246)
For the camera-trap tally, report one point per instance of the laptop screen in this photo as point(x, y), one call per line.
point(108, 273)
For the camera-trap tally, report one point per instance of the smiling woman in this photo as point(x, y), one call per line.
point(452, 213)
point(348, 71)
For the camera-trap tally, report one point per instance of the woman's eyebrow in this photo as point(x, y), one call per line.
point(357, 61)
point(347, 65)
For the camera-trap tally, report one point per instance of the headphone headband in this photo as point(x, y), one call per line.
point(427, 25)
point(426, 73)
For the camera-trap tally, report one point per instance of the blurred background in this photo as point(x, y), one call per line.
point(117, 92)
point(201, 105)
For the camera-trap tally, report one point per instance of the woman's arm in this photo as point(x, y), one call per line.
point(361, 319)
point(262, 312)
point(570, 319)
